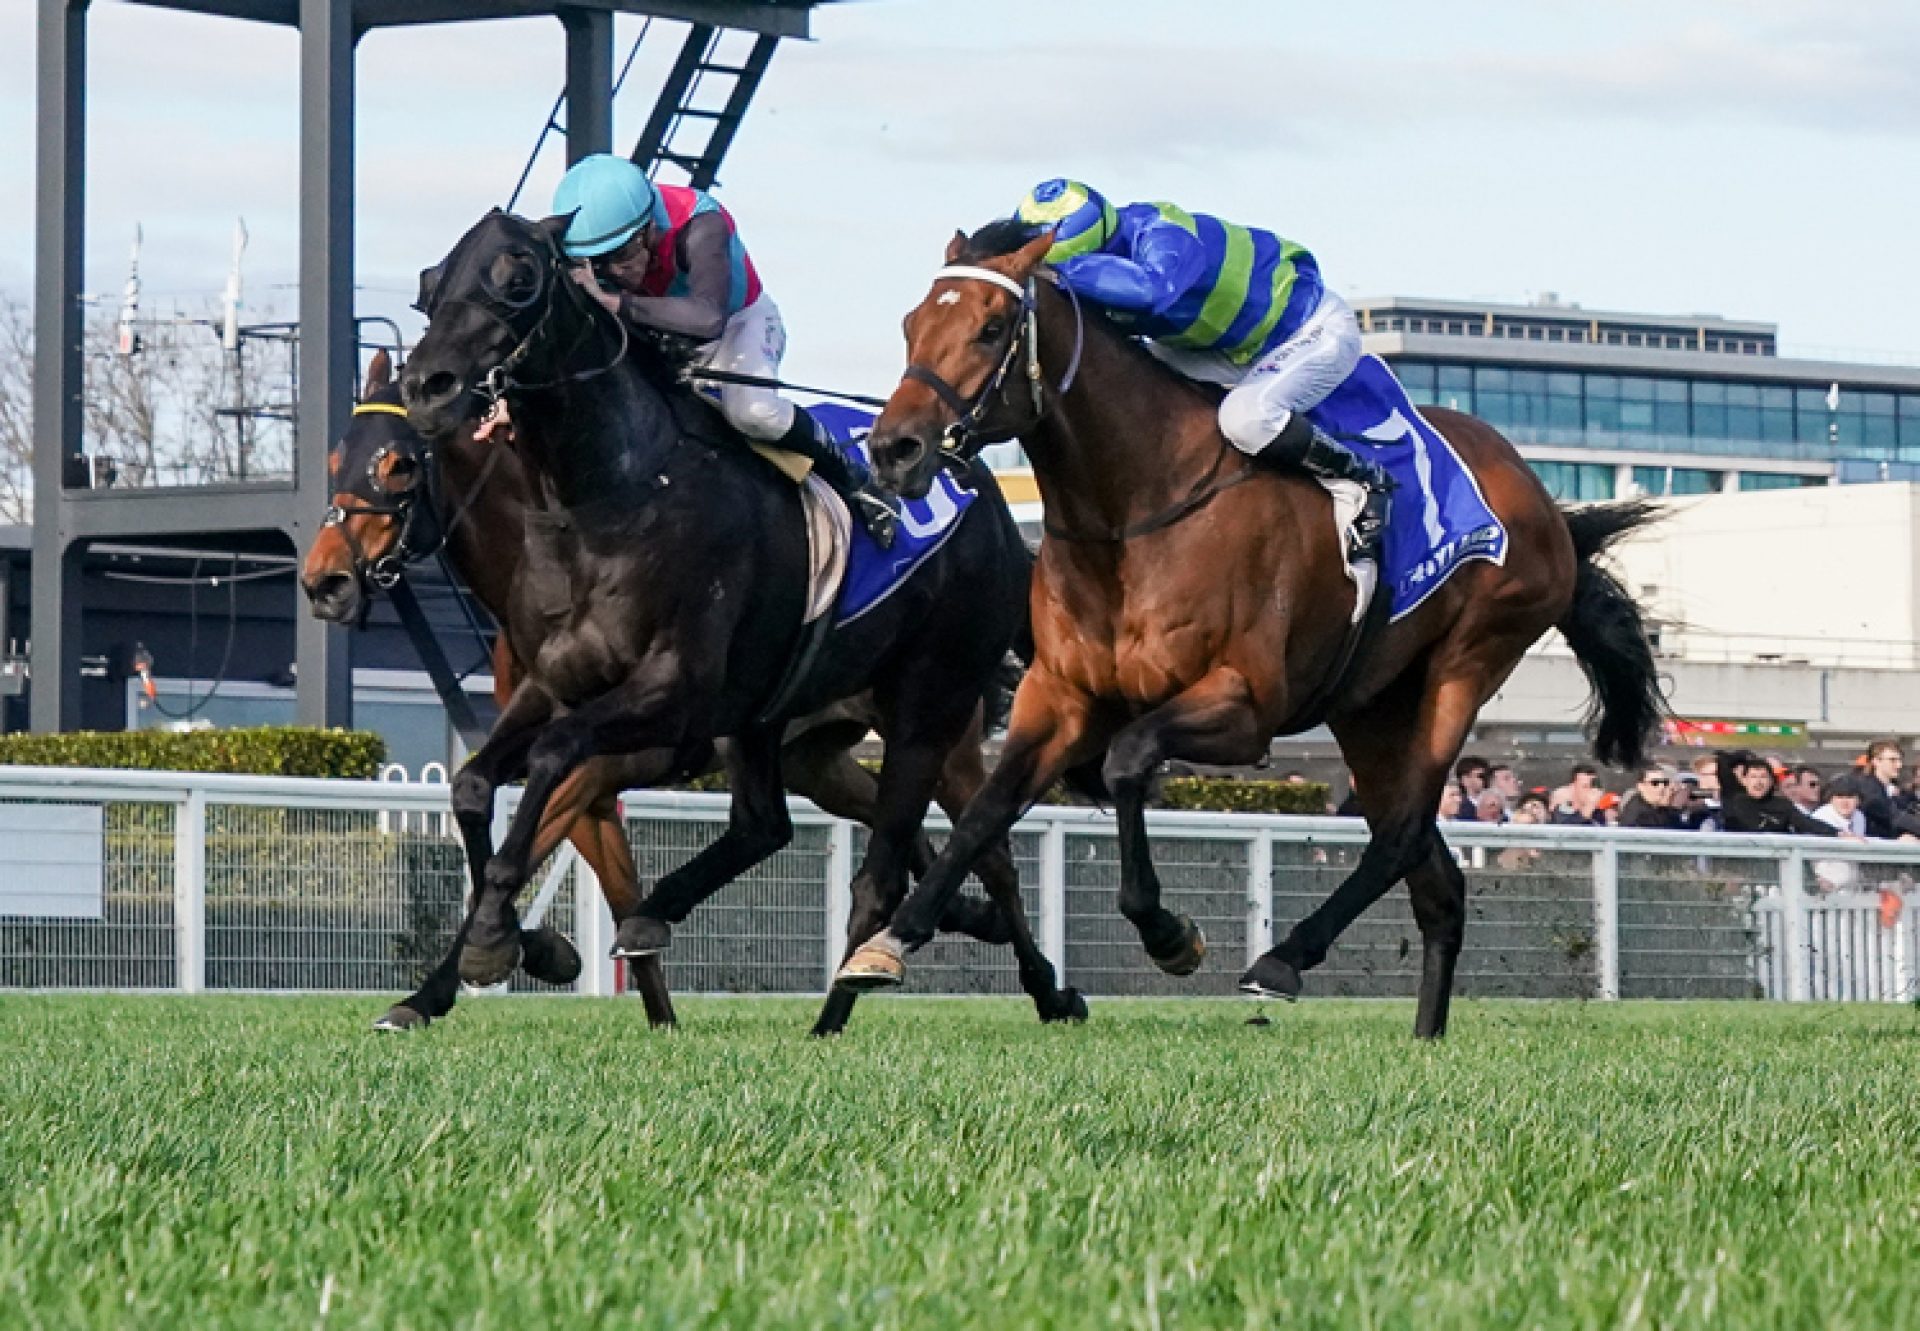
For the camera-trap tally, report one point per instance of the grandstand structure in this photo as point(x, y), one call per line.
point(700, 105)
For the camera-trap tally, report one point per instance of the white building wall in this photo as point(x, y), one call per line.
point(1825, 575)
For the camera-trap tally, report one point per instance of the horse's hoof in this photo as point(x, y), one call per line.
point(1184, 959)
point(483, 967)
point(400, 1017)
point(1271, 977)
point(1067, 1006)
point(642, 936)
point(548, 957)
point(878, 964)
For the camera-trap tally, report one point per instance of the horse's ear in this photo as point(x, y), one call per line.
point(429, 283)
point(1034, 253)
point(556, 226)
point(379, 374)
point(956, 247)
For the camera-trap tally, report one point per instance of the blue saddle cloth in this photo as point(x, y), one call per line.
point(925, 524)
point(1439, 519)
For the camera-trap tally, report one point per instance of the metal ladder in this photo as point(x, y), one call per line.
point(671, 137)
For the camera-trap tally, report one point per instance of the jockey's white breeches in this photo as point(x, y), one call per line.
point(753, 342)
point(1295, 376)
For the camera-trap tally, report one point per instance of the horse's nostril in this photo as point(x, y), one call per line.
point(328, 588)
point(439, 386)
point(909, 449)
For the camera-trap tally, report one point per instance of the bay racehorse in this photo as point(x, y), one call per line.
point(398, 500)
point(1189, 606)
point(664, 585)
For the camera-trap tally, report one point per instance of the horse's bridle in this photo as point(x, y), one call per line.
point(499, 381)
point(1024, 331)
point(420, 536)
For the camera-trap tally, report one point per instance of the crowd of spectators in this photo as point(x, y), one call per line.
point(1735, 790)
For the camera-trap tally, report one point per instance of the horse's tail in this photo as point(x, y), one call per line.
point(1608, 635)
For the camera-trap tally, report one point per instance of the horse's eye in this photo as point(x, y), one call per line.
point(993, 330)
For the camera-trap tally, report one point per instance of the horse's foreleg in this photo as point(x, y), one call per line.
point(961, 778)
point(500, 759)
point(639, 716)
point(1215, 721)
point(1054, 726)
point(820, 768)
point(758, 826)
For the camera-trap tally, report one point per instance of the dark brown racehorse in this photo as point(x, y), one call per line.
point(396, 501)
point(1185, 609)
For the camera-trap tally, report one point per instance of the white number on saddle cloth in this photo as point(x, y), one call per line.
point(1393, 430)
point(929, 516)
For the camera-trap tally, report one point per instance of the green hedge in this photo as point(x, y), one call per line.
point(1217, 794)
point(261, 751)
point(1227, 795)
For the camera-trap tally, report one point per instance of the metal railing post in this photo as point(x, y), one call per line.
point(594, 923)
point(1793, 919)
point(1053, 897)
point(839, 893)
point(190, 893)
point(1606, 919)
point(1259, 895)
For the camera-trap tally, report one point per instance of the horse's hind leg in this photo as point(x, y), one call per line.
point(1400, 748)
point(1215, 721)
point(758, 826)
point(1439, 892)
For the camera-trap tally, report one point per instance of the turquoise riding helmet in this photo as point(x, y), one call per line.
point(610, 199)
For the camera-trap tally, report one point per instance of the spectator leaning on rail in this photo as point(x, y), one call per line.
point(1750, 803)
point(1651, 803)
point(1889, 811)
point(1579, 800)
point(1842, 813)
point(1802, 786)
point(1471, 773)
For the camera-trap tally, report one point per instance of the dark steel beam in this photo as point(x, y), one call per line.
point(187, 511)
point(286, 12)
point(328, 356)
point(589, 81)
point(59, 271)
point(773, 20)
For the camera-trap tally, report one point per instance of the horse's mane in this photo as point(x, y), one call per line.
point(999, 238)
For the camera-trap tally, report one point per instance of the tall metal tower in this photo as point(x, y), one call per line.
point(69, 514)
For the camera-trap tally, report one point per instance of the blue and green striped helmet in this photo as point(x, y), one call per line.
point(1082, 221)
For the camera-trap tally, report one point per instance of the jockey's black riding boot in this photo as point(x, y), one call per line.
point(843, 470)
point(1304, 445)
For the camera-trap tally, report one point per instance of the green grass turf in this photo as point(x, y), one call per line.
point(551, 1163)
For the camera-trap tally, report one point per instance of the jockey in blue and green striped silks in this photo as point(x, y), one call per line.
point(1227, 304)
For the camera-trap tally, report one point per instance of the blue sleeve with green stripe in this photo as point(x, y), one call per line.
point(1164, 261)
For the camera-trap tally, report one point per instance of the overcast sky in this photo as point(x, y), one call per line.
point(1753, 158)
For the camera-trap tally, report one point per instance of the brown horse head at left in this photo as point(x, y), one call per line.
point(383, 509)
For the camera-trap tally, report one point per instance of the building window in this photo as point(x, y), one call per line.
point(1777, 480)
point(1576, 481)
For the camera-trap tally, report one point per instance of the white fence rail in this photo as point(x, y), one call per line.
point(199, 883)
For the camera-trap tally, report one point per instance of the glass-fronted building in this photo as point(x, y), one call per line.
point(1610, 405)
